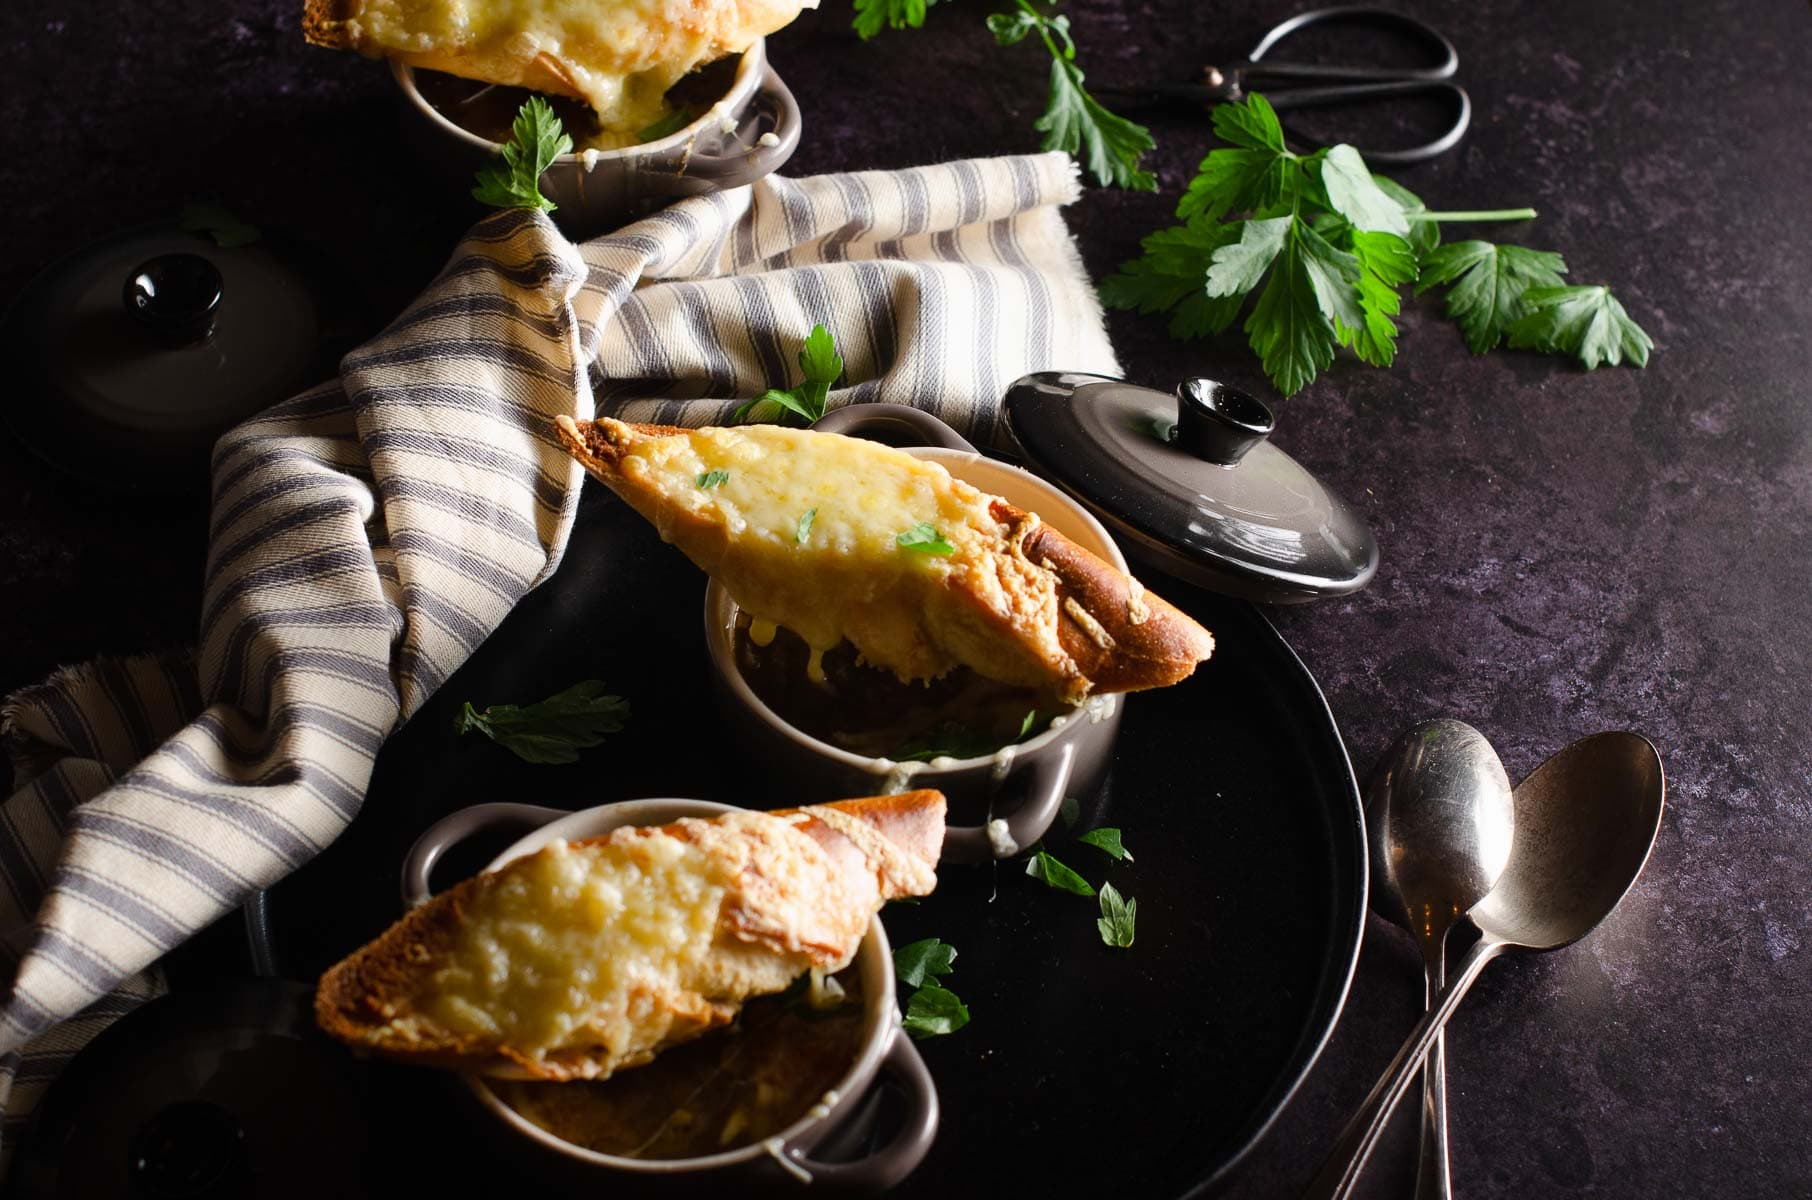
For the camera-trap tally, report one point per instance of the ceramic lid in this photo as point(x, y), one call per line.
point(1189, 481)
point(211, 1095)
point(135, 353)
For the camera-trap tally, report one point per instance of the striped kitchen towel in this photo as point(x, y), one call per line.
point(367, 535)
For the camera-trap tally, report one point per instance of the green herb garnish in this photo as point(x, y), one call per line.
point(1586, 322)
point(1489, 283)
point(917, 961)
point(554, 730)
point(1107, 840)
point(1322, 248)
point(953, 739)
point(1117, 917)
point(1108, 145)
point(536, 140)
point(821, 363)
point(924, 538)
point(1043, 866)
point(805, 525)
point(872, 16)
point(226, 229)
point(711, 479)
point(932, 1011)
point(673, 122)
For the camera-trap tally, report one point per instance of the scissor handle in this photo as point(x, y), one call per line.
point(1445, 69)
point(1311, 97)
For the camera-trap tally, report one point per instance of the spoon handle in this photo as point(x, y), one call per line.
point(1432, 1179)
point(1344, 1162)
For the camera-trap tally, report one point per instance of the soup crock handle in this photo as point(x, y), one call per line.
point(897, 1159)
point(1050, 778)
point(742, 165)
point(455, 828)
point(895, 424)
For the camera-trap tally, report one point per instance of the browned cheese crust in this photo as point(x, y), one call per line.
point(1119, 636)
point(900, 836)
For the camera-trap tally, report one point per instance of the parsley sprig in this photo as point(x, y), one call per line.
point(1108, 145)
point(932, 1009)
point(1325, 247)
point(554, 730)
point(536, 140)
point(821, 365)
point(1119, 913)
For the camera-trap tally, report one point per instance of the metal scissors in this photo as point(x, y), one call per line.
point(1343, 84)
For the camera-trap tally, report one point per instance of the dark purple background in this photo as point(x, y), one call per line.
point(1563, 552)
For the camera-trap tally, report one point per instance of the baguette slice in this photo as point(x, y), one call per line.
point(1005, 595)
point(588, 957)
point(620, 56)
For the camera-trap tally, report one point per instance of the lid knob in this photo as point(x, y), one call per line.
point(175, 296)
point(1218, 423)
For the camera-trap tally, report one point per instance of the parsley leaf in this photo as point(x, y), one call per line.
point(1386, 262)
point(1586, 322)
point(924, 538)
point(1043, 866)
point(1169, 278)
point(1117, 917)
point(554, 730)
point(804, 530)
point(672, 123)
point(1356, 196)
point(1107, 840)
point(918, 961)
point(1294, 339)
point(1251, 177)
point(1488, 285)
point(536, 140)
point(227, 230)
point(1109, 146)
point(821, 364)
point(711, 479)
point(933, 1011)
point(874, 15)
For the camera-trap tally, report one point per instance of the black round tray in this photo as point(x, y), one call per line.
point(1084, 1070)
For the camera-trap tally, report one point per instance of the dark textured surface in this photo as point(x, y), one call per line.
point(1562, 552)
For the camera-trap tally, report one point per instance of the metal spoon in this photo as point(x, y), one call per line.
point(1585, 823)
point(1438, 819)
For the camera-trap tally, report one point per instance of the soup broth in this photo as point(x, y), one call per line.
point(872, 713)
point(730, 1088)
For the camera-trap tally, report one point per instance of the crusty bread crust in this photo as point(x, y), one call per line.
point(359, 998)
point(324, 22)
point(1117, 635)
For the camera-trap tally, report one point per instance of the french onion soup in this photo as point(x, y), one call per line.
point(731, 1088)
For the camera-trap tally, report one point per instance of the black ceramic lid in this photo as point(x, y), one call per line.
point(225, 1094)
point(1189, 481)
point(135, 353)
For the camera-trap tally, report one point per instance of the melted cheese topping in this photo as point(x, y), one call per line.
point(850, 576)
point(619, 946)
point(619, 55)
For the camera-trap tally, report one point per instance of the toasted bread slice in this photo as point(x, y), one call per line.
point(587, 957)
point(920, 571)
point(620, 56)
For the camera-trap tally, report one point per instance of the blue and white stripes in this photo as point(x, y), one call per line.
point(367, 535)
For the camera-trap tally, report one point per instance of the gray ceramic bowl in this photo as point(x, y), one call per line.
point(1000, 803)
point(747, 134)
point(781, 1161)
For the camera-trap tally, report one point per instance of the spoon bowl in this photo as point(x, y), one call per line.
point(1580, 841)
point(1438, 820)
